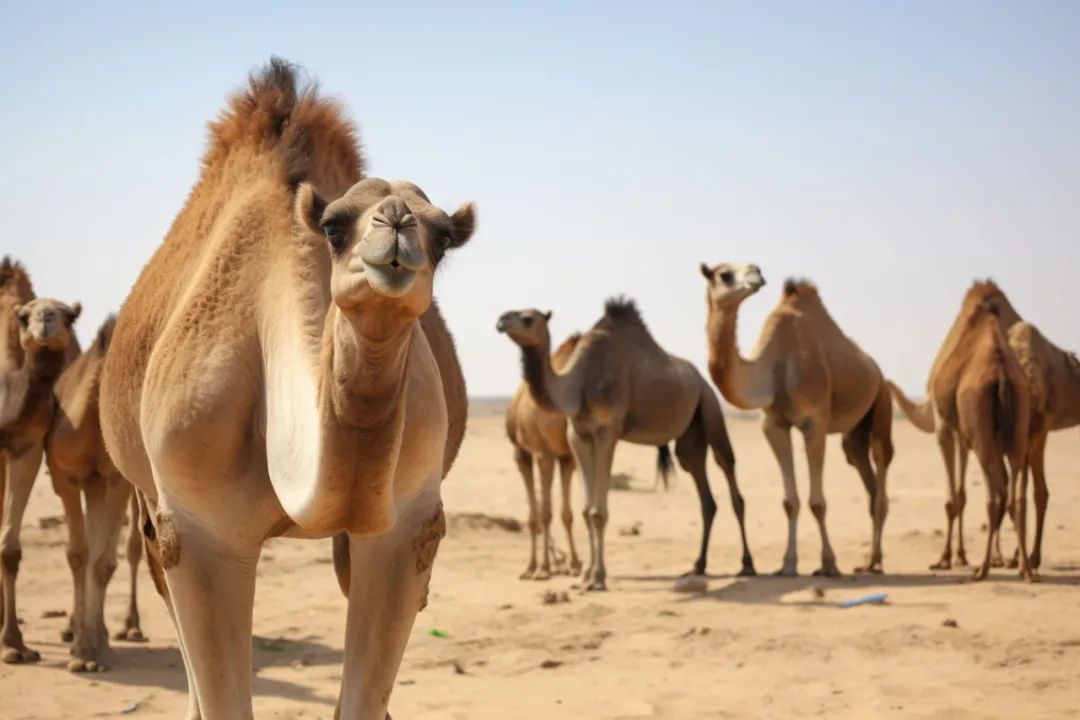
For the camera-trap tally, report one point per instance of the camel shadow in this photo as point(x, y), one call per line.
point(163, 667)
point(772, 589)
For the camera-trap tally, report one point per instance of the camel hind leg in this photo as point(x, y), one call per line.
point(716, 437)
point(132, 631)
point(856, 444)
point(690, 450)
point(881, 449)
point(1037, 461)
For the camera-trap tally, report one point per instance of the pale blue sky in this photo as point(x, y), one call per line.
point(890, 152)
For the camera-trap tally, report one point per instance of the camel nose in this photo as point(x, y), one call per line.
point(394, 212)
point(502, 324)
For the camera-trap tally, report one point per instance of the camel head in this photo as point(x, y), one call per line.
point(730, 284)
point(45, 324)
point(385, 239)
point(528, 328)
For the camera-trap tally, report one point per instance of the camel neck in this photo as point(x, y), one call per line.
point(551, 390)
point(368, 373)
point(733, 375)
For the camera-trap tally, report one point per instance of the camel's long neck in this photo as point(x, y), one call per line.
point(334, 409)
point(746, 384)
point(554, 391)
point(11, 352)
point(24, 389)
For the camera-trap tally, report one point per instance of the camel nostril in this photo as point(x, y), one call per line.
point(395, 264)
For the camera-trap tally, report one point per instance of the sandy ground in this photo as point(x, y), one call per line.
point(762, 647)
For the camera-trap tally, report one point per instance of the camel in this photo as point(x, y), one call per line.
point(619, 384)
point(37, 343)
point(280, 369)
point(953, 451)
point(1054, 381)
point(981, 391)
point(77, 461)
point(540, 435)
point(805, 373)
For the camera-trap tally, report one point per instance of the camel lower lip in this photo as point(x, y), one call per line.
point(390, 280)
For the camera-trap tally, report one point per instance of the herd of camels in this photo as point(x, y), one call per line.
point(280, 368)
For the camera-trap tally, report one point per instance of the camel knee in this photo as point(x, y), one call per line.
point(10, 557)
point(567, 517)
point(791, 508)
point(1042, 495)
point(818, 508)
point(76, 559)
point(103, 571)
point(545, 516)
point(597, 518)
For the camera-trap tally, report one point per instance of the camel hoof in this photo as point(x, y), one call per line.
point(134, 635)
point(575, 568)
point(19, 656)
point(942, 564)
point(1035, 561)
point(85, 666)
point(997, 562)
point(872, 569)
point(67, 635)
point(961, 560)
point(528, 574)
point(786, 572)
point(596, 586)
point(542, 574)
point(1014, 563)
point(747, 571)
point(828, 571)
point(979, 574)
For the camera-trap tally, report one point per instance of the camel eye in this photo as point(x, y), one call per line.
point(527, 321)
point(335, 234)
point(727, 277)
point(24, 319)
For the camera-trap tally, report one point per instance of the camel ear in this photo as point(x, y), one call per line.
point(706, 271)
point(309, 208)
point(464, 221)
point(547, 315)
point(72, 313)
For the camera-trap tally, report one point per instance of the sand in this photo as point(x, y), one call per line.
point(764, 647)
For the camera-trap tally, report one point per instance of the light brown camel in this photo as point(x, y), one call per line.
point(280, 368)
point(37, 343)
point(77, 461)
point(1054, 381)
point(953, 451)
point(619, 384)
point(980, 390)
point(805, 374)
point(539, 436)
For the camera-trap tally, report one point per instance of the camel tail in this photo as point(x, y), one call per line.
point(1004, 410)
point(921, 415)
point(664, 465)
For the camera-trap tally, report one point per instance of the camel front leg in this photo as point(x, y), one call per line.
point(582, 447)
point(525, 467)
point(211, 585)
point(106, 503)
point(132, 631)
point(566, 475)
point(67, 489)
point(22, 470)
point(388, 587)
point(604, 452)
point(815, 456)
point(546, 463)
point(779, 437)
point(961, 501)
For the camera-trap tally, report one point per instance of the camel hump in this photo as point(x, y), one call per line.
point(281, 112)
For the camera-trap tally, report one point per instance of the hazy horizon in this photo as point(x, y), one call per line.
point(891, 154)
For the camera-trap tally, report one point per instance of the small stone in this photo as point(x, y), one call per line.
point(458, 668)
point(692, 584)
point(817, 592)
point(950, 623)
point(549, 664)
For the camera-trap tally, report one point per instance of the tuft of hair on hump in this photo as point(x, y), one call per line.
point(104, 335)
point(798, 286)
point(281, 112)
point(621, 307)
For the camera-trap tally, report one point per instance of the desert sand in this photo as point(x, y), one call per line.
point(749, 648)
